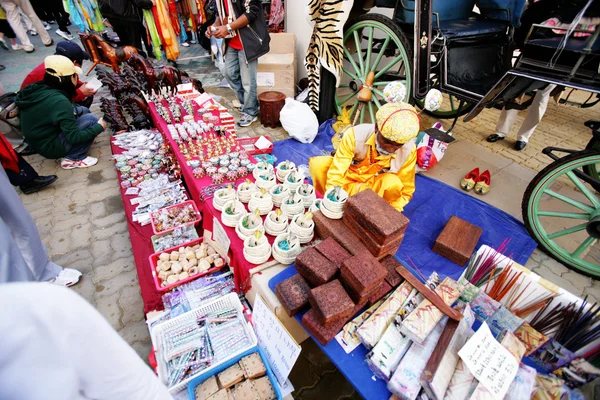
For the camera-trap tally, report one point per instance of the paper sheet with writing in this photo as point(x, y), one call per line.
point(279, 346)
point(491, 364)
point(220, 236)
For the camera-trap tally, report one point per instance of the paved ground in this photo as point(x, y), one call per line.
point(81, 218)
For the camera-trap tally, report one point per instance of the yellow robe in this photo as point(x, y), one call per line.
point(354, 175)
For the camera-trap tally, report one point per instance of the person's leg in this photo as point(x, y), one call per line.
point(248, 72)
point(14, 19)
point(25, 175)
point(78, 152)
point(535, 113)
point(136, 31)
point(506, 121)
point(87, 103)
point(37, 24)
point(80, 110)
point(318, 168)
point(13, 267)
point(232, 73)
point(25, 233)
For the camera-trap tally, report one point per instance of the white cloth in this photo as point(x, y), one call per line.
point(533, 118)
point(56, 346)
point(25, 238)
point(14, 19)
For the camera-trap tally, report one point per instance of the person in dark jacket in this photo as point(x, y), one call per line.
point(242, 23)
point(125, 17)
point(52, 125)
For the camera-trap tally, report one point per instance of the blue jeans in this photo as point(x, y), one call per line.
point(242, 79)
point(85, 119)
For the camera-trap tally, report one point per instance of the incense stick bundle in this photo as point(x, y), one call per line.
point(483, 267)
point(504, 283)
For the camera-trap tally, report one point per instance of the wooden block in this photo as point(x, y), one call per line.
point(362, 273)
point(457, 240)
point(366, 236)
point(253, 366)
point(393, 277)
point(222, 394)
point(262, 386)
point(376, 215)
point(323, 334)
point(207, 388)
point(331, 303)
point(293, 294)
point(314, 267)
point(378, 294)
point(231, 376)
point(244, 391)
point(335, 228)
point(360, 298)
point(376, 249)
point(333, 251)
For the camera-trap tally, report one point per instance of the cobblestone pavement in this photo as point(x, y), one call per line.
point(82, 222)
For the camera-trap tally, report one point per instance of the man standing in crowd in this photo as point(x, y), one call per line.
point(243, 24)
point(14, 19)
point(125, 17)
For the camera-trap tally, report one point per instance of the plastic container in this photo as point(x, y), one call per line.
point(200, 379)
point(180, 205)
point(153, 260)
point(248, 145)
point(226, 302)
point(155, 237)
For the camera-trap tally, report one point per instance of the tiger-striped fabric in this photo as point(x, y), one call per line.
point(326, 44)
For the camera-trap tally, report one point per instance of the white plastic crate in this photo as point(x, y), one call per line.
point(229, 301)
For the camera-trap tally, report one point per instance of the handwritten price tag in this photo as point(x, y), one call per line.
point(492, 364)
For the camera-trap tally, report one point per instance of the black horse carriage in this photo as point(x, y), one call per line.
point(466, 49)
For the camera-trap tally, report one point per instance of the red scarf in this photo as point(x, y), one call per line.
point(8, 156)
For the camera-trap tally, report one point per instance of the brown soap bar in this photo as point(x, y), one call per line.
point(333, 251)
point(362, 273)
point(393, 277)
point(378, 294)
point(335, 228)
point(331, 303)
point(314, 267)
point(376, 215)
point(457, 240)
point(293, 294)
point(323, 334)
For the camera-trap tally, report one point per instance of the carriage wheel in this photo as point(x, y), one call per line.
point(373, 43)
point(593, 170)
point(565, 225)
point(450, 107)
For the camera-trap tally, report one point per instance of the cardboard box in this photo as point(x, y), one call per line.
point(277, 69)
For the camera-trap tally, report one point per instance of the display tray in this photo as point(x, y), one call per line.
point(200, 379)
point(248, 145)
point(220, 304)
point(180, 205)
point(155, 237)
point(153, 260)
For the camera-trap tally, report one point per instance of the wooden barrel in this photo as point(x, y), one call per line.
point(271, 104)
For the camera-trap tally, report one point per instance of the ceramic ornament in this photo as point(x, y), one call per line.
point(278, 194)
point(315, 206)
point(261, 168)
point(249, 224)
point(284, 168)
point(233, 211)
point(245, 190)
point(257, 249)
point(433, 100)
point(292, 206)
point(276, 223)
point(394, 92)
point(332, 205)
point(293, 180)
point(303, 227)
point(222, 196)
point(307, 193)
point(266, 180)
point(286, 248)
point(261, 201)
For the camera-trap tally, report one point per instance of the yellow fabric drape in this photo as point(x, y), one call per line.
point(168, 33)
point(357, 175)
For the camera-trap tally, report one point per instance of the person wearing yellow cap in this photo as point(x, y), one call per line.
point(380, 156)
point(52, 125)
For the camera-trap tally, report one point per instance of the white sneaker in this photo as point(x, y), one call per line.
point(185, 44)
point(64, 35)
point(67, 277)
point(17, 47)
point(46, 26)
point(71, 164)
point(33, 32)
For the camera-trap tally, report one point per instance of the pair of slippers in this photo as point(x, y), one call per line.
point(474, 180)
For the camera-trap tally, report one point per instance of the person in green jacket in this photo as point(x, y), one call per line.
point(52, 125)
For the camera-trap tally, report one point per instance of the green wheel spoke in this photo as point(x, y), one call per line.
point(564, 232)
point(376, 103)
point(569, 200)
point(384, 83)
point(344, 85)
point(354, 108)
point(564, 215)
point(584, 189)
point(583, 247)
point(353, 63)
point(359, 52)
point(380, 55)
point(378, 93)
point(362, 113)
point(353, 76)
point(452, 103)
point(390, 65)
point(371, 112)
point(345, 99)
point(369, 50)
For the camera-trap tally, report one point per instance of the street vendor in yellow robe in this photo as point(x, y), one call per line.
point(380, 156)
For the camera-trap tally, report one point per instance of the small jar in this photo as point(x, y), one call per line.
point(224, 162)
point(242, 171)
point(244, 162)
point(125, 184)
point(194, 163)
point(223, 170)
point(234, 154)
point(132, 162)
point(217, 179)
point(206, 164)
point(199, 173)
point(210, 171)
point(215, 160)
point(231, 175)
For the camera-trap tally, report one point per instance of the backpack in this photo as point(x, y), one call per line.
point(10, 121)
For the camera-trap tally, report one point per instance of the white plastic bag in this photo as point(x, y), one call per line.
point(299, 121)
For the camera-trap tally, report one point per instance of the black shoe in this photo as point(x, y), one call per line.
point(38, 183)
point(27, 151)
point(2, 67)
point(50, 44)
point(494, 137)
point(519, 145)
